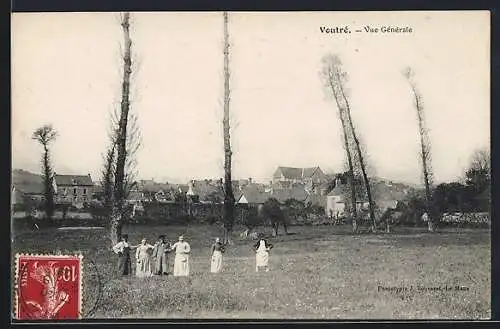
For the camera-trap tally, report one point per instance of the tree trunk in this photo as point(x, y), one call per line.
point(347, 150)
point(228, 216)
point(361, 159)
point(119, 191)
point(424, 153)
point(49, 188)
point(115, 227)
point(424, 156)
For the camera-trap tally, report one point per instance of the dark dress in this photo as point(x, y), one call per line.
point(124, 262)
point(218, 247)
point(160, 252)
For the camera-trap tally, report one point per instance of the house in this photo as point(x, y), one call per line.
point(206, 191)
point(252, 195)
point(316, 200)
point(148, 190)
point(296, 192)
point(135, 196)
point(98, 192)
point(32, 191)
point(74, 189)
point(182, 188)
point(26, 184)
point(300, 175)
point(336, 201)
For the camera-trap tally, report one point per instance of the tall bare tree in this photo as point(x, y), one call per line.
point(330, 67)
point(45, 135)
point(228, 216)
point(117, 212)
point(360, 156)
point(425, 147)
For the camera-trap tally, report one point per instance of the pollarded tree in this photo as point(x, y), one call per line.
point(45, 135)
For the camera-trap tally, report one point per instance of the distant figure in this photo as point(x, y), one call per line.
point(181, 262)
point(216, 262)
point(122, 249)
point(426, 218)
point(143, 258)
point(262, 249)
point(160, 253)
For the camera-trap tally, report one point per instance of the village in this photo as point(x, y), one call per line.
point(324, 194)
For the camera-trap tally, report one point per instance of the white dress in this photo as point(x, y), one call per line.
point(262, 256)
point(216, 261)
point(143, 268)
point(181, 262)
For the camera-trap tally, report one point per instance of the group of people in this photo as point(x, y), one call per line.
point(153, 259)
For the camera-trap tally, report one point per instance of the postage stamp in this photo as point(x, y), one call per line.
point(48, 287)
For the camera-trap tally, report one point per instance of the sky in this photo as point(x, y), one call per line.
point(67, 70)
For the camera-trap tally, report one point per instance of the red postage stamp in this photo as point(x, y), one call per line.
point(48, 287)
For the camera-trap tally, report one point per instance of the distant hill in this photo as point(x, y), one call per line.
point(24, 177)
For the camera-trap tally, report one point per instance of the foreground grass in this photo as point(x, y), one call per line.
point(318, 272)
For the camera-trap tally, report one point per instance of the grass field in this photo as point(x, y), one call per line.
point(316, 273)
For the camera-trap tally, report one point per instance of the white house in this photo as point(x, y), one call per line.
point(336, 201)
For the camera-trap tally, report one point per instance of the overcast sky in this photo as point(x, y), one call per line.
point(66, 71)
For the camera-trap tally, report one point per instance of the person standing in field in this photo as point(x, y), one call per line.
point(216, 260)
point(262, 248)
point(122, 249)
point(181, 263)
point(160, 253)
point(426, 218)
point(143, 258)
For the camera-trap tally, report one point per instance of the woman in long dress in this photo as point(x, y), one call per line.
point(160, 253)
point(181, 262)
point(122, 249)
point(216, 261)
point(262, 249)
point(143, 258)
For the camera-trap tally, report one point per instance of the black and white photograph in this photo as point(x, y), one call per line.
point(251, 165)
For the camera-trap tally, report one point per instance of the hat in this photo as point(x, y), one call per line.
point(217, 240)
point(125, 236)
point(181, 237)
point(161, 237)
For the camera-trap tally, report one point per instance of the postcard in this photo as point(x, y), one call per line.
point(251, 165)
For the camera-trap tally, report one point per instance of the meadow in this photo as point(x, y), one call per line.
point(317, 272)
